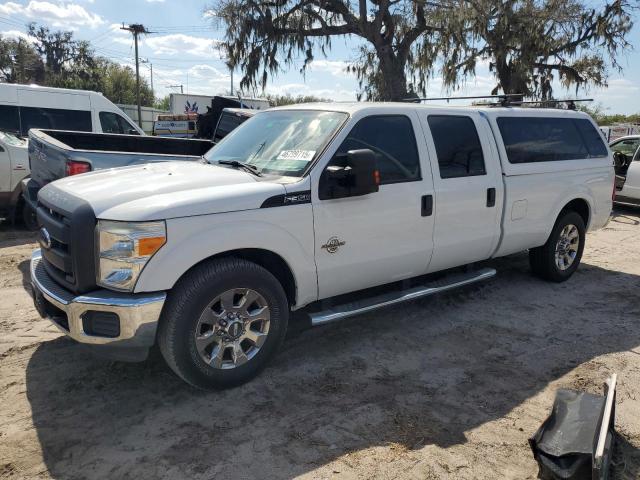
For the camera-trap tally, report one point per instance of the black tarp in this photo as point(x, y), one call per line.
point(564, 445)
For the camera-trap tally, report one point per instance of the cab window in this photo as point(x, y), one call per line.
point(114, 123)
point(550, 139)
point(393, 142)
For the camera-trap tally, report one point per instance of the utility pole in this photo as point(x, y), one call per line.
point(137, 29)
point(176, 86)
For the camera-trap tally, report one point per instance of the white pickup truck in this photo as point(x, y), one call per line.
point(328, 209)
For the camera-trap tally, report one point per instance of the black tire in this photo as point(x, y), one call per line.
point(543, 259)
point(29, 218)
point(189, 299)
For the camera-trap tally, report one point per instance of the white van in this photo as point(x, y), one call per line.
point(23, 107)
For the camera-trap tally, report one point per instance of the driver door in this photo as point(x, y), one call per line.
point(632, 184)
point(381, 237)
point(627, 166)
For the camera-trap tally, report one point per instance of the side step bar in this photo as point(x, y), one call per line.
point(350, 309)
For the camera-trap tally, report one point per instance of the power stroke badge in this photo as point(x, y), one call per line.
point(333, 244)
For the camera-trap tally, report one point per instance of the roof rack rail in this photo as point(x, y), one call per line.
point(504, 100)
point(571, 102)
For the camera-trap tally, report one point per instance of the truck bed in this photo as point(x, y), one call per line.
point(51, 150)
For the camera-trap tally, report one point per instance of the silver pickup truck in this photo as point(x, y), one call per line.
point(55, 154)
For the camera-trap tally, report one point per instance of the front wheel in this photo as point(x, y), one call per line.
point(29, 217)
point(222, 323)
point(557, 259)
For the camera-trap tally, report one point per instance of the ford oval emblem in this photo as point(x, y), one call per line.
point(45, 238)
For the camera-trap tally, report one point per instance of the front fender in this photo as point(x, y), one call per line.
point(285, 231)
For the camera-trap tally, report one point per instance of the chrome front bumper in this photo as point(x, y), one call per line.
point(138, 313)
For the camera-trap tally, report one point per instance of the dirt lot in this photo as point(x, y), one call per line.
point(448, 387)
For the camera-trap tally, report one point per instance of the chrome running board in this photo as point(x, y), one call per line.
point(350, 309)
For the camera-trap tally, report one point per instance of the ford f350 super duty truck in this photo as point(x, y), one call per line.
point(328, 209)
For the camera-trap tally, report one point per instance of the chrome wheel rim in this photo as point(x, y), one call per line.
point(232, 328)
point(567, 247)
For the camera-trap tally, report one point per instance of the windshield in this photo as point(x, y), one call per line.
point(279, 142)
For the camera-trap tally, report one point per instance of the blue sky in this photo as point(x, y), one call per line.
point(182, 52)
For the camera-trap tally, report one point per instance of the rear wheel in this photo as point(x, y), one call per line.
point(222, 323)
point(559, 258)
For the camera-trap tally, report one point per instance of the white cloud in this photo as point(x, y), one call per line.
point(62, 15)
point(10, 8)
point(180, 44)
point(338, 93)
point(154, 1)
point(337, 68)
point(16, 35)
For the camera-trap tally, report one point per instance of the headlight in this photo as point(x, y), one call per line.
point(124, 248)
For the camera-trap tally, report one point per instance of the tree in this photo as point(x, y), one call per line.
point(527, 42)
point(163, 103)
point(530, 42)
point(399, 38)
point(119, 85)
point(19, 62)
point(281, 100)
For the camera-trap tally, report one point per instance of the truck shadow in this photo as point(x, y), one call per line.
point(425, 373)
point(15, 235)
point(625, 214)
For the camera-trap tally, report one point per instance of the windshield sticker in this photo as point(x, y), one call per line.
point(303, 155)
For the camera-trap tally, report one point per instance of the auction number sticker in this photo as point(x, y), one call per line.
point(304, 155)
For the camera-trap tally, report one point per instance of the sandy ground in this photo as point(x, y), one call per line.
point(447, 387)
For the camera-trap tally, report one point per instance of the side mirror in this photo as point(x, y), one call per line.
point(350, 175)
point(133, 131)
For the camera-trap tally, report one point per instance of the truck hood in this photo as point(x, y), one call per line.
point(166, 190)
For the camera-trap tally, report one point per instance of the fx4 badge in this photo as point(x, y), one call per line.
point(332, 245)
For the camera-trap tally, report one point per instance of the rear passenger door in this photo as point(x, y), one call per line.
point(468, 188)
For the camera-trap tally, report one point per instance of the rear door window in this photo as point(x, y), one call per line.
point(543, 139)
point(9, 119)
point(457, 146)
point(54, 118)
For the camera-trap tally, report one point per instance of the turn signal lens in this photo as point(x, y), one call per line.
point(376, 177)
point(150, 245)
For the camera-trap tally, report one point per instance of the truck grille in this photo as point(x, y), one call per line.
point(66, 239)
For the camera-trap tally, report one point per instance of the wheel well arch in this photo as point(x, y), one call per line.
point(581, 207)
point(270, 261)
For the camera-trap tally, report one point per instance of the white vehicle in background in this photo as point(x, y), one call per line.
point(23, 107)
point(626, 157)
point(14, 167)
point(175, 126)
point(329, 210)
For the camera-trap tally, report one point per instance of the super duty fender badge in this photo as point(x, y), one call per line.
point(302, 197)
point(291, 198)
point(333, 244)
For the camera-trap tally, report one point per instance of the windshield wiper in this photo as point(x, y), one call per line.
point(247, 167)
